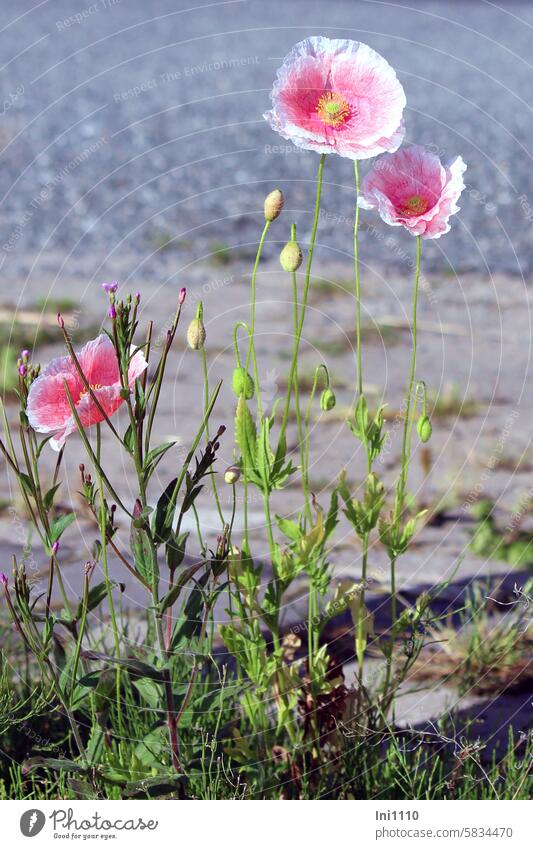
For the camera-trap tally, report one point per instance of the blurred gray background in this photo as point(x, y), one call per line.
point(144, 121)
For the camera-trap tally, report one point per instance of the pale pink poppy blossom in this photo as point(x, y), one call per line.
point(48, 406)
point(413, 189)
point(338, 96)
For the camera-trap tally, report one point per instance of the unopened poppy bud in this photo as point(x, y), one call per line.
point(196, 334)
point(242, 383)
point(232, 474)
point(291, 256)
point(424, 428)
point(274, 204)
point(327, 400)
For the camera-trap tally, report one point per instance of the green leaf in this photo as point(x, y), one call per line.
point(174, 593)
point(59, 526)
point(164, 514)
point(135, 667)
point(96, 595)
point(141, 548)
point(129, 439)
point(48, 500)
point(57, 764)
point(153, 458)
point(26, 482)
point(175, 550)
point(150, 691)
point(290, 529)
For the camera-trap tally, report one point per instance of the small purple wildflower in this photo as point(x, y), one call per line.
point(110, 288)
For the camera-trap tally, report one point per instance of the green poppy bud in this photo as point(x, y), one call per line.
point(424, 428)
point(242, 383)
point(232, 474)
point(274, 204)
point(327, 400)
point(291, 256)
point(196, 334)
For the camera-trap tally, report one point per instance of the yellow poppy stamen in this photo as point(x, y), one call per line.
point(415, 205)
point(333, 109)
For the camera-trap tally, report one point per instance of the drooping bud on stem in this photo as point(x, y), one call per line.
point(274, 204)
point(424, 428)
point(232, 474)
point(327, 400)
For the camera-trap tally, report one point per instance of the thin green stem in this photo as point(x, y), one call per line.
point(400, 497)
point(251, 342)
point(361, 620)
point(206, 405)
point(307, 281)
point(103, 533)
point(357, 281)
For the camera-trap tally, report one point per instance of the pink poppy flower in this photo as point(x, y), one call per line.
point(413, 189)
point(338, 96)
point(48, 408)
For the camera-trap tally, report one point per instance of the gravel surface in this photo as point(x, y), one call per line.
point(129, 126)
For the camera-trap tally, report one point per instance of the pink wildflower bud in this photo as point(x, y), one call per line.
point(137, 297)
point(112, 313)
point(110, 288)
point(60, 321)
point(3, 579)
point(22, 370)
point(55, 547)
point(25, 355)
point(181, 298)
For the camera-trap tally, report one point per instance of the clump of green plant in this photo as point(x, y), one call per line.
point(511, 544)
point(485, 647)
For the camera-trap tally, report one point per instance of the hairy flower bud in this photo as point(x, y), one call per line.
point(232, 474)
point(242, 383)
point(196, 334)
point(274, 204)
point(327, 400)
point(291, 256)
point(424, 428)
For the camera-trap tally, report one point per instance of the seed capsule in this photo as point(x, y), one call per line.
point(291, 256)
point(274, 204)
point(242, 383)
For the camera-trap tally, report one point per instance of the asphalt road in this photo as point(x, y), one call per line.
point(135, 129)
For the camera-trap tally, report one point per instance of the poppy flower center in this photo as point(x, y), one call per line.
point(333, 109)
point(415, 205)
point(93, 386)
